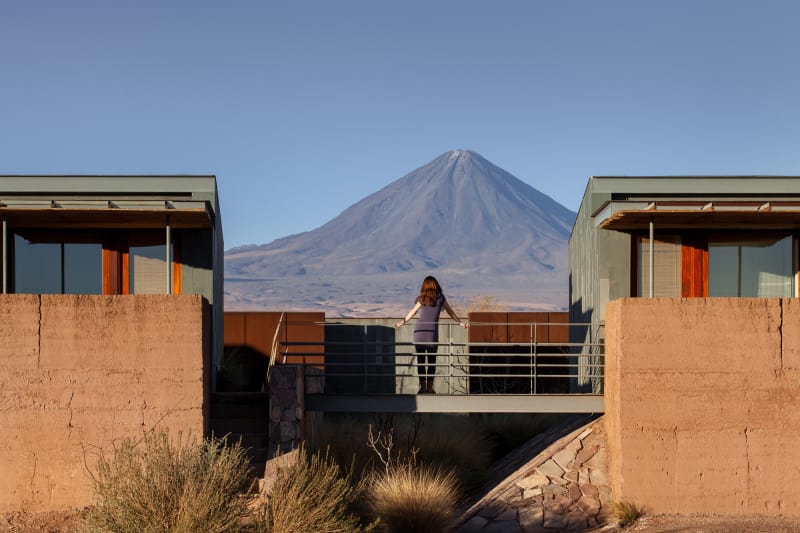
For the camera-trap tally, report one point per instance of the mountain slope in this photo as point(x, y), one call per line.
point(459, 215)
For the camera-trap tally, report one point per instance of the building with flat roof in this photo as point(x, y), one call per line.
point(683, 236)
point(114, 235)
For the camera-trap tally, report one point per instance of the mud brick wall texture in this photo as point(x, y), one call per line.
point(703, 404)
point(79, 373)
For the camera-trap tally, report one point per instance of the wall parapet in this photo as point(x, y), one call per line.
point(702, 408)
point(80, 372)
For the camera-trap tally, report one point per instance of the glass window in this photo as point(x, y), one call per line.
point(666, 266)
point(45, 267)
point(756, 268)
point(83, 268)
point(37, 267)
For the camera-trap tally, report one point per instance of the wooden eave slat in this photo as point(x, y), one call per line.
point(108, 217)
point(725, 219)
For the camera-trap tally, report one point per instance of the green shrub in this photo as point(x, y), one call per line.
point(167, 485)
point(314, 495)
point(413, 499)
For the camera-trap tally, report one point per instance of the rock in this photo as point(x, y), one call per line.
point(555, 521)
point(574, 492)
point(589, 490)
point(551, 491)
point(576, 521)
point(274, 466)
point(598, 477)
point(534, 480)
point(590, 506)
point(550, 469)
point(586, 454)
point(532, 493)
point(565, 457)
point(531, 520)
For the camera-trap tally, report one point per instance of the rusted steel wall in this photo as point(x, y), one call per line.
point(519, 327)
point(256, 330)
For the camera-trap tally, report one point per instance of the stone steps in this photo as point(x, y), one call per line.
point(563, 487)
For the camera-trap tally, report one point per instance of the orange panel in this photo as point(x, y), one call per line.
point(309, 330)
point(259, 330)
point(233, 329)
point(559, 328)
point(694, 258)
point(177, 279)
point(111, 277)
point(488, 327)
point(527, 327)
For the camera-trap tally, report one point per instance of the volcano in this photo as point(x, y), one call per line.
point(480, 230)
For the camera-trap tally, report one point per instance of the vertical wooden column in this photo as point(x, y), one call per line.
point(652, 259)
point(4, 267)
point(169, 256)
point(694, 267)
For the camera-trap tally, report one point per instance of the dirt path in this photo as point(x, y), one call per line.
point(713, 524)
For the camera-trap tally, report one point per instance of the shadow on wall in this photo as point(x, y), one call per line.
point(365, 358)
point(583, 331)
point(243, 370)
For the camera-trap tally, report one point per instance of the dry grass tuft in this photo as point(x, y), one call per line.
point(164, 484)
point(313, 495)
point(413, 499)
point(625, 512)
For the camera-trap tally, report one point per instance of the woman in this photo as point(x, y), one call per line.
point(429, 303)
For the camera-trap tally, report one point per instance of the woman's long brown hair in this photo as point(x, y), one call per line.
point(430, 291)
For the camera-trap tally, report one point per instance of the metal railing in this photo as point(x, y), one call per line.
point(375, 358)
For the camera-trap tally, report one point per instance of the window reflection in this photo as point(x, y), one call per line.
point(83, 268)
point(37, 267)
point(757, 268)
point(42, 267)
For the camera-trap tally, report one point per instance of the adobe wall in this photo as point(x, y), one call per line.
point(703, 404)
point(78, 373)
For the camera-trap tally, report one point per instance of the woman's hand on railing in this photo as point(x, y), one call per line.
point(464, 324)
point(398, 324)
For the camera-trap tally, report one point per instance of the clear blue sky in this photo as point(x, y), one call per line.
point(302, 108)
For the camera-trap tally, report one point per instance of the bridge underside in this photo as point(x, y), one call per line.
point(444, 403)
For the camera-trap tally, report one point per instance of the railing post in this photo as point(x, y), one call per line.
point(652, 259)
point(364, 359)
point(450, 359)
point(532, 359)
point(535, 358)
point(4, 238)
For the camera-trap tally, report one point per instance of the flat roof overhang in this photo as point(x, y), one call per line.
point(107, 214)
point(629, 216)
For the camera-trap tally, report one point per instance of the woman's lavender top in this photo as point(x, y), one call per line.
point(427, 327)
